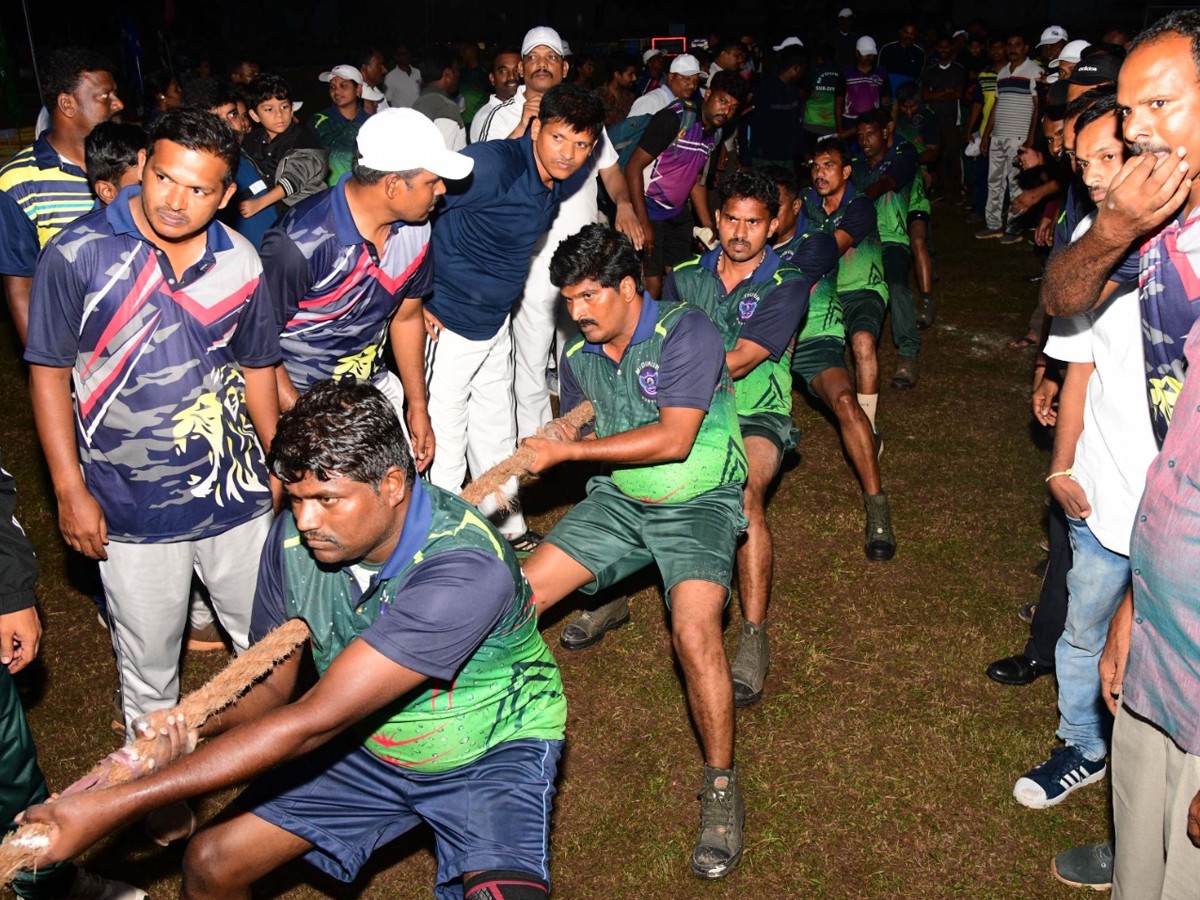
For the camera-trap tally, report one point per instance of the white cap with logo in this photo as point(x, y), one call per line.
point(1053, 35)
point(866, 46)
point(400, 140)
point(543, 36)
point(348, 72)
point(686, 65)
point(372, 94)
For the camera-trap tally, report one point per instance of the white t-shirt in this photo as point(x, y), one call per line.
point(401, 88)
point(1117, 444)
point(649, 104)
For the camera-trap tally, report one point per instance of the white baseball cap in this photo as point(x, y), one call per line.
point(846, 13)
point(398, 140)
point(650, 54)
point(792, 41)
point(543, 36)
point(866, 46)
point(1071, 53)
point(348, 72)
point(371, 93)
point(686, 65)
point(1053, 35)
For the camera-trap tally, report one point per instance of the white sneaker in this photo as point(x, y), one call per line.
point(92, 887)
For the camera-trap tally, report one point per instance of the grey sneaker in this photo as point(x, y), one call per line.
point(750, 666)
point(881, 540)
point(906, 374)
point(1088, 865)
point(92, 887)
point(1012, 237)
point(926, 310)
point(590, 626)
point(722, 814)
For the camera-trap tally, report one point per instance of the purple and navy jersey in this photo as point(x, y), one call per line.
point(163, 431)
point(1169, 291)
point(334, 293)
point(864, 90)
point(676, 138)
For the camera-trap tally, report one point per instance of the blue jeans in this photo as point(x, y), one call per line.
point(1095, 587)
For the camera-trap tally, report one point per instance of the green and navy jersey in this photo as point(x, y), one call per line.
point(766, 309)
point(334, 292)
point(901, 164)
point(918, 200)
point(40, 194)
point(861, 266)
point(675, 359)
point(339, 135)
point(450, 603)
point(824, 317)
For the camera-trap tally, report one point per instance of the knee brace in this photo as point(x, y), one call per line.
point(504, 884)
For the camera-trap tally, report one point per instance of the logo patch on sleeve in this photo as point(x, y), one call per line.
point(648, 380)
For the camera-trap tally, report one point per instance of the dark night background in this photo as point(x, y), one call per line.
point(311, 34)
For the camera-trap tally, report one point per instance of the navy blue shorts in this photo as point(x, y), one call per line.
point(493, 813)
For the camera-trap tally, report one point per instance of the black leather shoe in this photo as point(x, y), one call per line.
point(1018, 670)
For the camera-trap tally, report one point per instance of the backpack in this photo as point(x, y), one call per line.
point(626, 135)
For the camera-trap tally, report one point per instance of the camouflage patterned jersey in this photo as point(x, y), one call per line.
point(162, 427)
point(334, 293)
point(675, 359)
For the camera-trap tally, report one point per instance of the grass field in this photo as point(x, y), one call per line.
point(880, 762)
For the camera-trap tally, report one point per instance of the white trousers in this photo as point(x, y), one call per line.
point(471, 407)
point(148, 589)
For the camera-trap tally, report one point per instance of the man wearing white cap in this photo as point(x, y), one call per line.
point(1064, 64)
point(682, 82)
point(535, 322)
point(348, 267)
point(866, 85)
point(843, 37)
point(1053, 42)
point(651, 79)
point(337, 126)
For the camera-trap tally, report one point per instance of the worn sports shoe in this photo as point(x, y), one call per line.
point(590, 626)
point(984, 233)
point(525, 543)
point(926, 311)
point(1065, 771)
point(722, 814)
point(750, 665)
point(1088, 865)
point(1012, 237)
point(906, 374)
point(92, 887)
point(881, 540)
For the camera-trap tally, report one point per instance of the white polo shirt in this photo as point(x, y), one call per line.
point(401, 88)
point(1117, 444)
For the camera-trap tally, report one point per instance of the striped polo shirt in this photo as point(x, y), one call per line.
point(334, 292)
point(1016, 90)
point(40, 193)
point(161, 422)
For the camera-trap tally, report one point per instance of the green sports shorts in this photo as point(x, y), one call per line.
point(777, 428)
point(815, 355)
point(612, 536)
point(862, 311)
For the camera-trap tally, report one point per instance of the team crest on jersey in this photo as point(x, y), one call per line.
point(746, 307)
point(648, 380)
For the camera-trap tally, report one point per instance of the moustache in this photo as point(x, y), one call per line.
point(587, 323)
point(1143, 147)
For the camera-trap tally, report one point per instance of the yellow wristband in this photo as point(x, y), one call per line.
point(1067, 472)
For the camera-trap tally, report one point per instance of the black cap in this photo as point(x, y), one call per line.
point(1097, 69)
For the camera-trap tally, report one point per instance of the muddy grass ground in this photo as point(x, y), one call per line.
point(881, 761)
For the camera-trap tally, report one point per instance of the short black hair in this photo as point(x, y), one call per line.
point(111, 150)
point(619, 62)
point(1184, 22)
point(732, 84)
point(728, 42)
point(597, 253)
point(200, 130)
point(749, 184)
point(65, 67)
point(908, 92)
point(202, 93)
point(434, 63)
point(784, 178)
point(1083, 102)
point(881, 117)
point(341, 428)
point(834, 146)
point(266, 86)
point(157, 83)
point(1101, 106)
point(576, 106)
point(366, 53)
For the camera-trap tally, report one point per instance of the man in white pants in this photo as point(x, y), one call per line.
point(482, 241)
point(536, 318)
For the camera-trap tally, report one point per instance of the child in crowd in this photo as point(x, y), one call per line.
point(114, 154)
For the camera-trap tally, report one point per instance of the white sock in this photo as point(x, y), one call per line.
point(868, 403)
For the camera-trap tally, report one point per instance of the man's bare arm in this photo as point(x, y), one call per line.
point(670, 439)
point(16, 289)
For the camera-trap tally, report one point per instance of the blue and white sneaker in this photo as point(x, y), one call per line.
point(1066, 770)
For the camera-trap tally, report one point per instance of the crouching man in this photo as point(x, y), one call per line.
point(438, 701)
